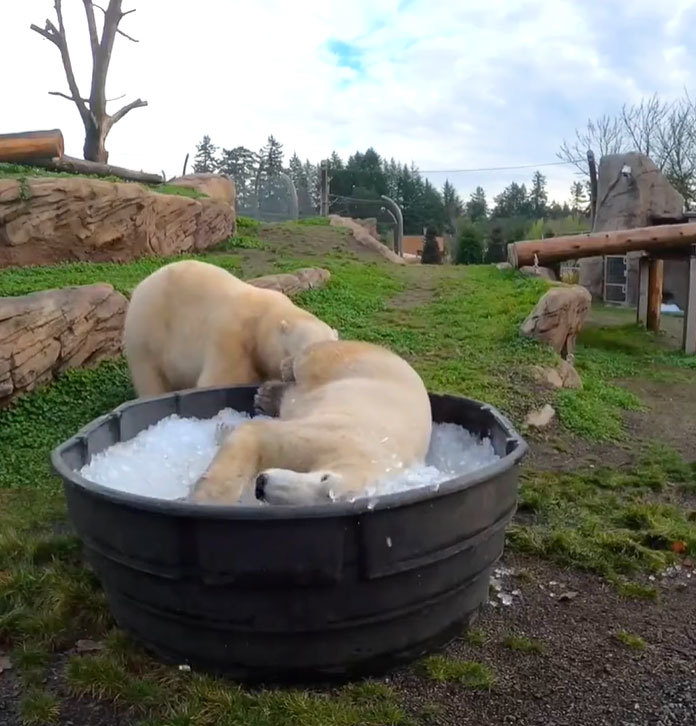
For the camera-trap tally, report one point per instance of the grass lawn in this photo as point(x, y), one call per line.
point(458, 327)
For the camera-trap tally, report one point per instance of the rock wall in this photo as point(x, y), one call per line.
point(47, 332)
point(44, 220)
point(626, 201)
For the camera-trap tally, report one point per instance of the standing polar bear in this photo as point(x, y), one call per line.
point(350, 413)
point(191, 324)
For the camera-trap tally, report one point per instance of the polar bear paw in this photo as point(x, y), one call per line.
point(268, 397)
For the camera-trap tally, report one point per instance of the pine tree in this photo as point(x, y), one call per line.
point(538, 196)
point(452, 203)
point(477, 206)
point(240, 165)
point(271, 191)
point(469, 249)
point(204, 162)
point(578, 198)
point(431, 254)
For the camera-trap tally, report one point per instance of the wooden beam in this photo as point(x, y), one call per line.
point(689, 343)
point(30, 145)
point(643, 270)
point(655, 280)
point(81, 166)
point(659, 238)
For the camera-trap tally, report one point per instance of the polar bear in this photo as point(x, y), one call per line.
point(350, 413)
point(192, 324)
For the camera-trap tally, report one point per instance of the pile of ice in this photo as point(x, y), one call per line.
point(166, 459)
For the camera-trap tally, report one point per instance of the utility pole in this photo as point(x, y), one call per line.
point(324, 189)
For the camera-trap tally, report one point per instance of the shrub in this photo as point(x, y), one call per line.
point(469, 249)
point(431, 250)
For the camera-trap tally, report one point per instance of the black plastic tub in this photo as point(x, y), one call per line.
point(279, 593)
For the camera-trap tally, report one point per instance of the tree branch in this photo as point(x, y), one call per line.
point(58, 37)
point(138, 103)
point(92, 25)
point(123, 15)
point(65, 95)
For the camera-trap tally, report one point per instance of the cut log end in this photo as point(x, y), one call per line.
point(30, 145)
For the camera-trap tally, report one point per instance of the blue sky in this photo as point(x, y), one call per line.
point(446, 85)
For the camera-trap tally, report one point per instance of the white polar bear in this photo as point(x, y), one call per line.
point(350, 413)
point(192, 324)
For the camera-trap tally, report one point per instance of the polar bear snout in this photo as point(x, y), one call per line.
point(284, 486)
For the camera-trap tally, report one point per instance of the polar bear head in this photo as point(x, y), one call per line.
point(300, 334)
point(284, 486)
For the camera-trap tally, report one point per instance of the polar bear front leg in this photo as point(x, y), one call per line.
point(234, 467)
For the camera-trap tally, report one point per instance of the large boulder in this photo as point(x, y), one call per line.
point(558, 317)
point(45, 333)
point(215, 186)
point(44, 220)
point(291, 283)
point(632, 192)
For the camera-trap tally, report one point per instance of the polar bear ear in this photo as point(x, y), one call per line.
point(283, 325)
point(335, 332)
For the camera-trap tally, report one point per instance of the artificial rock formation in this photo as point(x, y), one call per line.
point(45, 333)
point(363, 237)
point(215, 186)
point(558, 317)
point(44, 220)
point(307, 278)
point(632, 192)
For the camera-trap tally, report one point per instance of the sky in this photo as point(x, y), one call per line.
point(446, 85)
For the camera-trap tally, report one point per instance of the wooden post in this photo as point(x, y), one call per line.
point(643, 271)
point(689, 343)
point(655, 279)
point(592, 166)
point(324, 189)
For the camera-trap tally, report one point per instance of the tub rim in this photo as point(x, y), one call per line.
point(515, 445)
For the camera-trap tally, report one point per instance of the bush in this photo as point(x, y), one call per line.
point(469, 248)
point(431, 250)
point(496, 250)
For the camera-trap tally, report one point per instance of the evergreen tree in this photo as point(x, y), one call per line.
point(240, 165)
point(272, 195)
point(578, 198)
point(512, 202)
point(469, 249)
point(495, 251)
point(538, 196)
point(477, 206)
point(452, 204)
point(204, 161)
point(431, 254)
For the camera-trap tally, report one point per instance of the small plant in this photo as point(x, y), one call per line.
point(431, 255)
point(38, 708)
point(522, 644)
point(469, 244)
point(630, 640)
point(451, 670)
point(474, 637)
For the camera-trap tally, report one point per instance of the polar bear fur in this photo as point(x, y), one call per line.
point(350, 413)
point(191, 324)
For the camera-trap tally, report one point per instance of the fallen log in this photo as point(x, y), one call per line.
point(573, 247)
point(31, 145)
point(82, 166)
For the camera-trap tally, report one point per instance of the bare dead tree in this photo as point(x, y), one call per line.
point(664, 131)
point(96, 120)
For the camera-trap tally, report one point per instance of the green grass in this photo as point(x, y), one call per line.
point(613, 522)
point(453, 670)
point(630, 640)
point(473, 636)
point(22, 173)
point(240, 242)
point(522, 644)
point(38, 707)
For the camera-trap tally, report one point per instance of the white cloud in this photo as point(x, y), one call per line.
point(481, 83)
